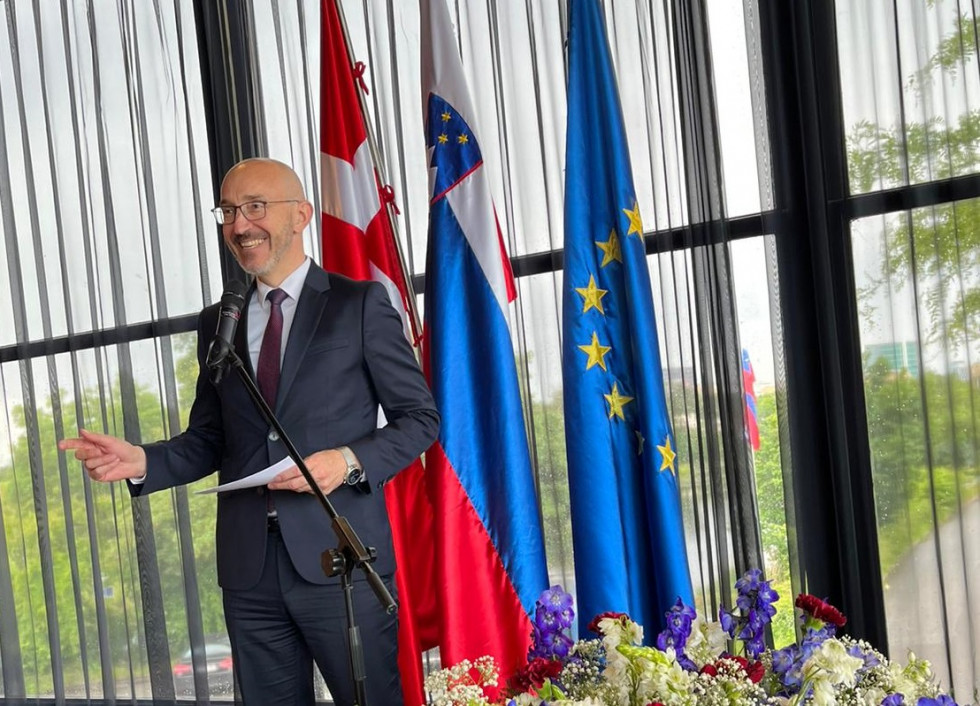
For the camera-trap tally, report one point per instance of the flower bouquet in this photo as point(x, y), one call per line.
point(694, 661)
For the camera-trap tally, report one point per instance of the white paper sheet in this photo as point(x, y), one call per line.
point(258, 478)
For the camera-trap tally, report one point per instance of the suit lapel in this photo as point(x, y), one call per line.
point(309, 309)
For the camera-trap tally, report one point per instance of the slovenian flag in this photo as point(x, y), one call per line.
point(489, 544)
point(751, 413)
point(627, 527)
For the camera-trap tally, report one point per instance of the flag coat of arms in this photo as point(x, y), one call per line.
point(627, 528)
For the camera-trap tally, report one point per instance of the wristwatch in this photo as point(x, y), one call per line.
point(354, 474)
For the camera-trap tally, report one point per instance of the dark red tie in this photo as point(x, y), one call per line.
point(270, 354)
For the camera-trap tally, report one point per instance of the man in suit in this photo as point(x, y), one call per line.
point(326, 352)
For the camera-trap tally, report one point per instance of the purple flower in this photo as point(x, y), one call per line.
point(728, 621)
point(687, 664)
point(755, 610)
point(566, 617)
point(749, 582)
point(679, 620)
point(555, 599)
point(545, 619)
point(941, 700)
point(756, 646)
point(893, 700)
point(552, 617)
point(870, 660)
point(787, 665)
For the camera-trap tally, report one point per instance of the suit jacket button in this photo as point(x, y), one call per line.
point(273, 436)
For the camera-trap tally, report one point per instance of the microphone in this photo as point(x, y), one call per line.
point(232, 303)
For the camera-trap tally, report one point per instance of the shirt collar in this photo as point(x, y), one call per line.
point(292, 285)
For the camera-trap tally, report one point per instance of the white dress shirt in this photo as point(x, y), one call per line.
point(259, 310)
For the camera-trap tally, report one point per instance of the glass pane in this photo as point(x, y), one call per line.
point(740, 101)
point(754, 296)
point(911, 97)
point(86, 532)
point(918, 279)
point(108, 221)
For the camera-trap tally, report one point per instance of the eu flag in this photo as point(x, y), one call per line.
point(627, 528)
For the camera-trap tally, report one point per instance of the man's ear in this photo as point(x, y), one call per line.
point(304, 214)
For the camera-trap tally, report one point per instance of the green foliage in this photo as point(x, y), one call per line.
point(772, 516)
point(912, 469)
point(39, 496)
point(552, 471)
point(937, 248)
point(954, 50)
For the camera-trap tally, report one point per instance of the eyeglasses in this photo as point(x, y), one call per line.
point(252, 210)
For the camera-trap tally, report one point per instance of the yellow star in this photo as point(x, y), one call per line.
point(636, 224)
point(443, 139)
point(668, 456)
point(596, 353)
point(463, 139)
point(592, 295)
point(616, 402)
point(446, 116)
point(639, 442)
point(610, 249)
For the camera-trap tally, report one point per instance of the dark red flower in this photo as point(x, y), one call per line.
point(753, 670)
point(541, 669)
point(533, 675)
point(820, 609)
point(594, 625)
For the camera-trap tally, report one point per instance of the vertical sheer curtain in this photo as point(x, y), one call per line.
point(106, 252)
point(105, 151)
point(911, 110)
point(685, 156)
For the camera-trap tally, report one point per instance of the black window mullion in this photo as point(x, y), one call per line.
point(833, 497)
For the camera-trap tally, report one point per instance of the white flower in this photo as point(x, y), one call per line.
point(915, 680)
point(454, 686)
point(706, 641)
point(827, 667)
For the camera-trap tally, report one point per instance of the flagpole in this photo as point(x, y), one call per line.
point(379, 165)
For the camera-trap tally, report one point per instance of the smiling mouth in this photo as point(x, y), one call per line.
point(249, 242)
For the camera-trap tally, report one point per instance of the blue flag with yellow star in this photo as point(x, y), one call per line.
point(627, 528)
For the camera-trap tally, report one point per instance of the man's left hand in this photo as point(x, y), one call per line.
point(328, 469)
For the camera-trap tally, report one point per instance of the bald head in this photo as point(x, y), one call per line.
point(275, 174)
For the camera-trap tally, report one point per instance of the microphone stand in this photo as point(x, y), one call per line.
point(350, 552)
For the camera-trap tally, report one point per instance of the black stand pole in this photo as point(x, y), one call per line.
point(350, 552)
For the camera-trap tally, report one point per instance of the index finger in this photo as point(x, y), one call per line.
point(72, 444)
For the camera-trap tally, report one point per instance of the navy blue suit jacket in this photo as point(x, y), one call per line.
point(346, 354)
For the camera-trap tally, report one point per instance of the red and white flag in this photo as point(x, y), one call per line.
point(358, 241)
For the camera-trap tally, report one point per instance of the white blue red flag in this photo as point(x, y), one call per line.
point(489, 544)
point(751, 413)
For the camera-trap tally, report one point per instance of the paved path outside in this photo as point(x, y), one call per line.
point(914, 604)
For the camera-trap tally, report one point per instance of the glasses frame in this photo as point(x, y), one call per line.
point(219, 211)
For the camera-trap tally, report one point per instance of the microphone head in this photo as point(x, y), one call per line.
point(234, 296)
point(223, 344)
